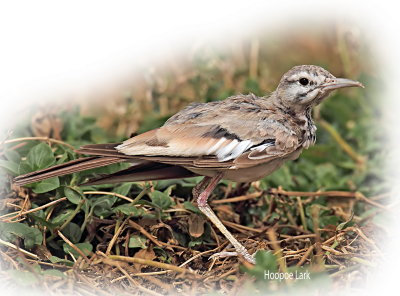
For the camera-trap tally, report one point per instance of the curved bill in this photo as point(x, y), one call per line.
point(340, 83)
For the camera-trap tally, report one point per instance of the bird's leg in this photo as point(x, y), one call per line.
point(205, 208)
point(199, 188)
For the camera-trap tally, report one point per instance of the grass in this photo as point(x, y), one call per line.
point(325, 213)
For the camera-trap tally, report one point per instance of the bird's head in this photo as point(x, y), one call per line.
point(305, 86)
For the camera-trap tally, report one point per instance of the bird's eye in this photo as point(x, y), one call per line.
point(303, 81)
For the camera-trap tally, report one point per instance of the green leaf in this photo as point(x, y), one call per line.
point(31, 236)
point(24, 168)
point(162, 254)
point(73, 232)
point(11, 163)
point(86, 249)
point(189, 206)
point(73, 194)
point(328, 220)
point(40, 157)
point(55, 259)
point(62, 216)
point(10, 166)
point(195, 242)
point(12, 155)
point(266, 259)
point(23, 278)
point(42, 221)
point(130, 210)
point(102, 206)
point(137, 241)
point(160, 199)
point(46, 185)
point(54, 272)
point(64, 158)
point(181, 238)
point(123, 189)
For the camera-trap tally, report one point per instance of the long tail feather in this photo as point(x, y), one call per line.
point(142, 169)
point(156, 172)
point(70, 167)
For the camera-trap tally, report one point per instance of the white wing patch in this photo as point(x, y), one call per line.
point(214, 148)
point(233, 150)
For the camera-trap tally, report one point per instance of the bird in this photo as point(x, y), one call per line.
point(243, 138)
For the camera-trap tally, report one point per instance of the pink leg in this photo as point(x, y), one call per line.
point(210, 184)
point(199, 188)
point(205, 208)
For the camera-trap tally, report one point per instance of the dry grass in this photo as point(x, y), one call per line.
point(348, 254)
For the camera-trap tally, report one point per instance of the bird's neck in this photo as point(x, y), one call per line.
point(302, 119)
point(308, 128)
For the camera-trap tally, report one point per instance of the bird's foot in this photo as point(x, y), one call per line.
point(222, 254)
point(249, 258)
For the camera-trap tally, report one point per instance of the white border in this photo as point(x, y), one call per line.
point(50, 47)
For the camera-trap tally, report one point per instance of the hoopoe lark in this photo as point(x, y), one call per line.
point(242, 138)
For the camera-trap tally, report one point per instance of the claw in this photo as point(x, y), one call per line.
point(249, 258)
point(223, 254)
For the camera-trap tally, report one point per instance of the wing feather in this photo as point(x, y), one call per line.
point(186, 141)
point(242, 130)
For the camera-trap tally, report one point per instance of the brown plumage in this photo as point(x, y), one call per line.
point(242, 138)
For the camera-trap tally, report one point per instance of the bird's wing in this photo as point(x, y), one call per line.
point(217, 135)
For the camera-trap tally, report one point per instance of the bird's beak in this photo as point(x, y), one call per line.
point(340, 83)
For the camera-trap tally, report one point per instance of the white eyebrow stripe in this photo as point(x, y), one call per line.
point(314, 78)
point(215, 146)
point(297, 76)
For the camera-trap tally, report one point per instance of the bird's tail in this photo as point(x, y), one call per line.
point(69, 167)
point(150, 171)
point(103, 155)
